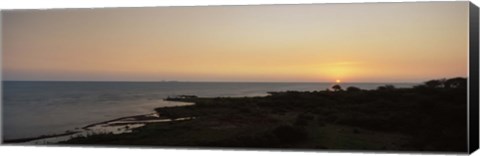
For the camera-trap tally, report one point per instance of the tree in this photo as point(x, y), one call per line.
point(434, 84)
point(337, 87)
point(457, 82)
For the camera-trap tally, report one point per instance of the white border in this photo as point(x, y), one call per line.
point(82, 151)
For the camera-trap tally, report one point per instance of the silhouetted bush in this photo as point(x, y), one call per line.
point(353, 89)
point(386, 87)
point(457, 82)
point(337, 87)
point(434, 83)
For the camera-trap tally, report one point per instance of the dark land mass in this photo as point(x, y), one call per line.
point(429, 117)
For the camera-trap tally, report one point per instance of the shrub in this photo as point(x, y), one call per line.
point(353, 89)
point(337, 87)
point(386, 87)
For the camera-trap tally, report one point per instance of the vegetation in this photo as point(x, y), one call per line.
point(427, 117)
point(337, 87)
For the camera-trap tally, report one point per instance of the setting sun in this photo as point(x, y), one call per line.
point(338, 81)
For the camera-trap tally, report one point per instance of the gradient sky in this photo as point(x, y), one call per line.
point(383, 42)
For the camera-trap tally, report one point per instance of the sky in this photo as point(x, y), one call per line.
point(369, 42)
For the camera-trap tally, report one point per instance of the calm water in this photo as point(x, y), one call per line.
point(32, 109)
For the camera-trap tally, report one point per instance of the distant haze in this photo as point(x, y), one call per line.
point(372, 42)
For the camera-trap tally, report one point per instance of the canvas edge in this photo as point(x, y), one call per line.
point(473, 91)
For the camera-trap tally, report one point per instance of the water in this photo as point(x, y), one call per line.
point(31, 109)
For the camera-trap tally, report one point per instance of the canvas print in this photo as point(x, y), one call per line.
point(365, 76)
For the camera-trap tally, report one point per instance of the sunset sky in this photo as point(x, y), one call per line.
point(383, 42)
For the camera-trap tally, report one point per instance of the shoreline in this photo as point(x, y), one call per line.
point(114, 126)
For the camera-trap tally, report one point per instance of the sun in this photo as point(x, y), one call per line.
point(338, 81)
